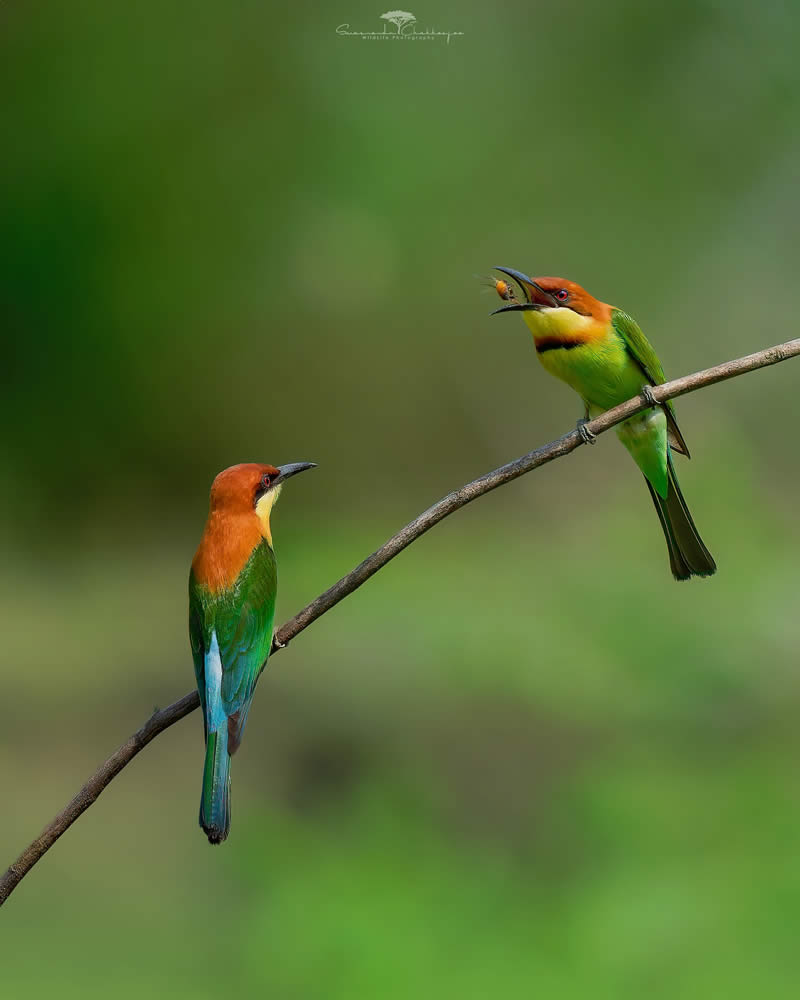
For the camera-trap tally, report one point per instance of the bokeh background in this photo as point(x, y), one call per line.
point(521, 761)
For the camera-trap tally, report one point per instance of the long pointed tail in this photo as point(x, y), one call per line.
point(688, 556)
point(215, 801)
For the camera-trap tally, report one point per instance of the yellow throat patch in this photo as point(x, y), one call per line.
point(264, 509)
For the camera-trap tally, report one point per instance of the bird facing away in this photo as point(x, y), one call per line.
point(601, 352)
point(232, 587)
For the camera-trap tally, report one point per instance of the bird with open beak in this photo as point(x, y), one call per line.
point(232, 587)
point(602, 354)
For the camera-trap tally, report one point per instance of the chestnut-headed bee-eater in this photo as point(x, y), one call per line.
point(601, 352)
point(232, 587)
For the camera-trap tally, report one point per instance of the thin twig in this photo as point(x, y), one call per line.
point(161, 720)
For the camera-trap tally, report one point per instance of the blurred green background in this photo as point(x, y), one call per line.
point(521, 761)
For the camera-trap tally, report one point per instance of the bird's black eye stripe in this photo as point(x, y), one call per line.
point(263, 485)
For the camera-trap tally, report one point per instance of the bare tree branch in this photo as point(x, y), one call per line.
point(166, 717)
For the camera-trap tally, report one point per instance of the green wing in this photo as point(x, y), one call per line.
point(243, 620)
point(641, 350)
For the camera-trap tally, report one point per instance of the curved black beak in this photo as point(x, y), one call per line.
point(515, 307)
point(535, 296)
point(287, 471)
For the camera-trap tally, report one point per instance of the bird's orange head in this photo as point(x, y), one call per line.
point(242, 498)
point(554, 293)
point(251, 489)
point(239, 488)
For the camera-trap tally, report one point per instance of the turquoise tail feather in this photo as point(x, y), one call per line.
point(215, 801)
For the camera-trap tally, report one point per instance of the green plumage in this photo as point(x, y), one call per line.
point(606, 366)
point(641, 351)
point(231, 635)
point(688, 556)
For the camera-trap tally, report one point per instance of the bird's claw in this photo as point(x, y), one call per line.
point(277, 644)
point(587, 436)
point(647, 393)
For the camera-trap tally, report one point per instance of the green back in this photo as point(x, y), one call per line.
point(642, 352)
point(639, 347)
point(243, 618)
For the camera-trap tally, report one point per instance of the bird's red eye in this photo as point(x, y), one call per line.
point(562, 293)
point(266, 481)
